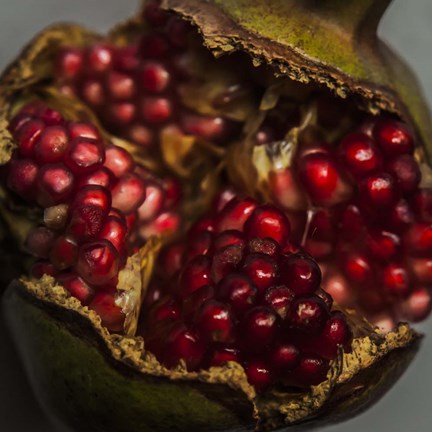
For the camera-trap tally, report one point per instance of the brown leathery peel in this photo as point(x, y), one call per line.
point(92, 380)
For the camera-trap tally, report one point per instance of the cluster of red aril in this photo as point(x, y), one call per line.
point(135, 90)
point(239, 290)
point(91, 194)
point(365, 218)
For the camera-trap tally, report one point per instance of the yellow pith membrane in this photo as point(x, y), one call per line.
point(201, 225)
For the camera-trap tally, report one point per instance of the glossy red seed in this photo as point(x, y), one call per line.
point(183, 344)
point(99, 57)
point(83, 130)
point(357, 267)
point(41, 268)
point(227, 238)
point(259, 327)
point(221, 356)
point(22, 177)
point(76, 287)
point(93, 93)
point(121, 86)
point(153, 204)
point(101, 177)
point(55, 184)
point(234, 214)
point(156, 110)
point(418, 305)
point(51, 145)
point(311, 371)
point(111, 315)
point(195, 275)
point(268, 222)
point(64, 252)
point(379, 191)
point(401, 216)
point(300, 273)
point(27, 137)
point(393, 137)
point(125, 58)
point(98, 262)
point(121, 113)
point(262, 270)
point(206, 127)
point(383, 245)
point(199, 244)
point(351, 222)
point(85, 222)
point(280, 298)
point(215, 322)
point(321, 177)
point(397, 282)
point(259, 375)
point(237, 290)
point(84, 155)
point(153, 77)
point(284, 356)
point(308, 314)
point(93, 195)
point(69, 62)
point(129, 193)
point(166, 223)
point(165, 310)
point(118, 160)
point(114, 230)
point(359, 154)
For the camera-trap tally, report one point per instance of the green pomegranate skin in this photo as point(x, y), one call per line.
point(79, 386)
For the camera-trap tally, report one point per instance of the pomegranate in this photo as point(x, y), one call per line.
point(87, 198)
point(236, 290)
point(201, 230)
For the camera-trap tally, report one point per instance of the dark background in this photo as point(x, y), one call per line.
point(407, 26)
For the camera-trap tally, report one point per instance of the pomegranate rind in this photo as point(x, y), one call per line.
point(348, 57)
point(56, 336)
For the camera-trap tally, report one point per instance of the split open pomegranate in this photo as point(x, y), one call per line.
point(219, 226)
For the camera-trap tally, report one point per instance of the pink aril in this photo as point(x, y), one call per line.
point(421, 203)
point(99, 58)
point(51, 145)
point(195, 274)
point(94, 195)
point(237, 290)
point(322, 179)
point(115, 231)
point(225, 261)
point(156, 110)
point(83, 130)
point(393, 137)
point(98, 262)
point(85, 221)
point(121, 86)
point(111, 315)
point(153, 77)
point(129, 193)
point(64, 252)
point(221, 356)
point(22, 177)
point(259, 375)
point(268, 222)
point(206, 127)
point(27, 136)
point(418, 305)
point(383, 245)
point(76, 286)
point(84, 155)
point(421, 268)
point(262, 270)
point(359, 155)
point(55, 184)
point(121, 114)
point(259, 325)
point(228, 238)
point(69, 62)
point(397, 281)
point(101, 177)
point(308, 315)
point(153, 204)
point(234, 214)
point(118, 160)
point(284, 357)
point(418, 239)
point(280, 298)
point(166, 223)
point(93, 92)
point(41, 268)
point(199, 245)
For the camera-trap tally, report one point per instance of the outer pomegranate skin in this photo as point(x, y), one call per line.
point(221, 418)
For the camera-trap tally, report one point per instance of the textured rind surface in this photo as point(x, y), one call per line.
point(93, 380)
point(332, 43)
